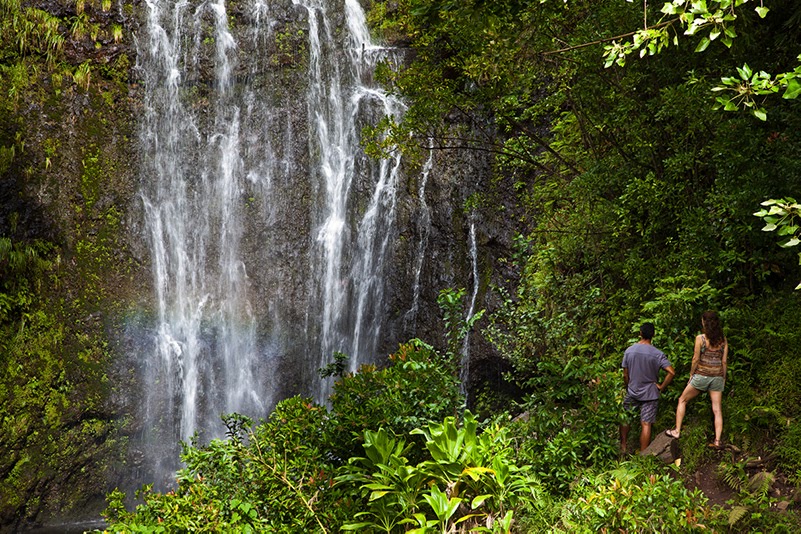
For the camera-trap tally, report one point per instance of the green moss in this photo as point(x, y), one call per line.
point(90, 177)
point(117, 71)
point(108, 98)
point(290, 45)
point(113, 217)
point(40, 389)
point(54, 351)
point(473, 202)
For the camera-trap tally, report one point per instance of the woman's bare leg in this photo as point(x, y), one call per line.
point(687, 395)
point(717, 409)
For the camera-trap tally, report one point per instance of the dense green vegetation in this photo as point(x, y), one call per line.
point(639, 202)
point(308, 469)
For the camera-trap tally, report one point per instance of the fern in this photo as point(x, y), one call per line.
point(733, 475)
point(736, 514)
point(760, 484)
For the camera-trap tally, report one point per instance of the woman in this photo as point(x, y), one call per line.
point(707, 373)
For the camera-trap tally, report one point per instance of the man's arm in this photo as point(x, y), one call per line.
point(669, 374)
point(626, 377)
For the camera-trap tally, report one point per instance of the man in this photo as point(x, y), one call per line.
point(641, 364)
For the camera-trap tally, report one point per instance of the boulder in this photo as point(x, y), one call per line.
point(664, 447)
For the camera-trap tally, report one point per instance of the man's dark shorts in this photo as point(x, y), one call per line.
point(647, 409)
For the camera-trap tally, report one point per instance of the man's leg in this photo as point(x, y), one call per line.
point(645, 436)
point(624, 437)
point(629, 409)
point(648, 411)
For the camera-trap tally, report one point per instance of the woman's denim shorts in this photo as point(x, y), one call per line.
point(707, 383)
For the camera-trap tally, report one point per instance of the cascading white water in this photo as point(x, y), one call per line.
point(351, 250)
point(247, 233)
point(205, 356)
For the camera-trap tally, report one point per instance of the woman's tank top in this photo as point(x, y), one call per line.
point(711, 360)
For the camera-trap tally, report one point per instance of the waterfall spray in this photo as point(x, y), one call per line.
point(205, 356)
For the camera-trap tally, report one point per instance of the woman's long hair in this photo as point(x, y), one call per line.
point(710, 324)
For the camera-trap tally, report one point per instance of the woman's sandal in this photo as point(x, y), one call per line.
point(715, 445)
point(672, 433)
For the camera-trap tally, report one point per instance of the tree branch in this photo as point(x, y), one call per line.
point(607, 39)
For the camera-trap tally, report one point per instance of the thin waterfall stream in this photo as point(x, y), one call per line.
point(424, 225)
point(340, 97)
point(464, 368)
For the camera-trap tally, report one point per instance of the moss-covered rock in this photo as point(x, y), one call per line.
point(66, 188)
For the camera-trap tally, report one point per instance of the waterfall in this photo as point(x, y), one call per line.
point(269, 230)
point(350, 252)
point(464, 373)
point(204, 360)
point(424, 230)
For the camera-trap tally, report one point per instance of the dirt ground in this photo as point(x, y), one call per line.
point(707, 479)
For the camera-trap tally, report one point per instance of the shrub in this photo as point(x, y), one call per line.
point(752, 508)
point(635, 498)
point(273, 478)
point(415, 389)
point(278, 476)
point(469, 479)
point(572, 423)
point(788, 452)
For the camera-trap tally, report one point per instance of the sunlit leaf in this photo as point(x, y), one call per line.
point(703, 45)
point(744, 72)
point(478, 501)
point(355, 526)
point(793, 89)
point(777, 210)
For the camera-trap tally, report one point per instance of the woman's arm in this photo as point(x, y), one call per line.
point(696, 355)
point(725, 357)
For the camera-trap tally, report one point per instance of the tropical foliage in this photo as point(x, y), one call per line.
point(286, 475)
point(782, 216)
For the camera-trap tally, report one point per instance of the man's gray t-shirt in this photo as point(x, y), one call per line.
point(644, 362)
